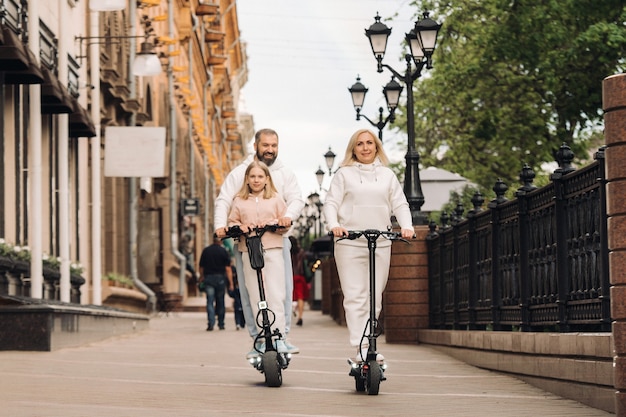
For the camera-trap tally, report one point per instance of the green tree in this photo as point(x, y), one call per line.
point(513, 80)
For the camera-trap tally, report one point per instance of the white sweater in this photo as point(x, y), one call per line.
point(364, 196)
point(284, 179)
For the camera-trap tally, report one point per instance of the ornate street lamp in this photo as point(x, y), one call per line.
point(392, 96)
point(329, 157)
point(314, 198)
point(422, 40)
point(357, 92)
point(319, 174)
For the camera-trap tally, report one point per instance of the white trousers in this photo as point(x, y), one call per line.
point(353, 268)
point(273, 283)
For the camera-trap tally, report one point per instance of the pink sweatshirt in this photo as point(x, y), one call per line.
point(259, 210)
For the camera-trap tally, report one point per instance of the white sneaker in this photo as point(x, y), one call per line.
point(291, 348)
point(257, 351)
point(281, 347)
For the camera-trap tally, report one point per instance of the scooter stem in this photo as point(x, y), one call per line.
point(371, 245)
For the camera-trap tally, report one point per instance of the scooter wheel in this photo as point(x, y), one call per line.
point(272, 369)
point(374, 376)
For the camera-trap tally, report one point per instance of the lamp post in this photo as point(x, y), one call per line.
point(391, 92)
point(314, 198)
point(146, 62)
point(329, 157)
point(422, 40)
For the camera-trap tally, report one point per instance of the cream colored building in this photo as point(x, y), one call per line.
point(66, 76)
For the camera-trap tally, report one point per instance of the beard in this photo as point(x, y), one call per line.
point(267, 158)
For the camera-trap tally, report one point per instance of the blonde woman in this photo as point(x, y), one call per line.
point(364, 194)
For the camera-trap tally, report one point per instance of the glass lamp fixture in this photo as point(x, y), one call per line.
point(315, 198)
point(378, 33)
point(357, 92)
point(106, 5)
point(147, 62)
point(415, 45)
point(392, 92)
point(329, 157)
point(426, 31)
point(319, 174)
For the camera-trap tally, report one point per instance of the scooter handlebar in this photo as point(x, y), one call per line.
point(236, 231)
point(372, 234)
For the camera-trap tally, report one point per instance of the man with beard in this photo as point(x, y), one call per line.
point(265, 150)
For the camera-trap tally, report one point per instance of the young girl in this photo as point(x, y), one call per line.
point(258, 204)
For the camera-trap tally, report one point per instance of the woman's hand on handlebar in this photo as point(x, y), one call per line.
point(339, 231)
point(408, 234)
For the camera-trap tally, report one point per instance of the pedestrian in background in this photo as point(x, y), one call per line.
point(300, 286)
point(216, 274)
point(364, 194)
point(235, 294)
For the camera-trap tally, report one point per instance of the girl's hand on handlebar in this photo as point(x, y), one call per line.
point(339, 231)
point(408, 234)
point(221, 232)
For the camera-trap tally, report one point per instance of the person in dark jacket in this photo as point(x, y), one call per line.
point(216, 274)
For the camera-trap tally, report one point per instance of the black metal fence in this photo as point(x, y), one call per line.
point(535, 263)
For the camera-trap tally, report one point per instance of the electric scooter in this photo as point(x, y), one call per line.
point(368, 374)
point(269, 362)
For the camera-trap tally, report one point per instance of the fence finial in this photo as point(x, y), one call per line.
point(500, 189)
point(526, 176)
point(564, 156)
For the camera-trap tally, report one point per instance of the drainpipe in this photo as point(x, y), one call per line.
point(173, 137)
point(132, 192)
point(192, 164)
point(207, 189)
point(35, 168)
point(207, 173)
point(63, 149)
point(96, 179)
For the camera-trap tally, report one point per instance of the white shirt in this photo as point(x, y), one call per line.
point(365, 196)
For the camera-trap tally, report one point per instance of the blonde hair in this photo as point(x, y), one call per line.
point(270, 189)
point(350, 158)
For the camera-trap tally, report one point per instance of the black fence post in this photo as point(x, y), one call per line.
point(434, 307)
point(477, 201)
point(442, 269)
point(456, 219)
point(564, 157)
point(526, 177)
point(496, 284)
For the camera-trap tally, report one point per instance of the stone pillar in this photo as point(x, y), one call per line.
point(405, 301)
point(614, 104)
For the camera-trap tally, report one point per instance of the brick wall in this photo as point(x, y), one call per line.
point(614, 104)
point(405, 301)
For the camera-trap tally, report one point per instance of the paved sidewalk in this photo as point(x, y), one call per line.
point(177, 369)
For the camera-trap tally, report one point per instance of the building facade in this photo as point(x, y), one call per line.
point(71, 211)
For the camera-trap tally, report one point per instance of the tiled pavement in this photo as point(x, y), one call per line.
point(176, 368)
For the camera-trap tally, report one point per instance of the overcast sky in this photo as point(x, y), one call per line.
point(302, 57)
